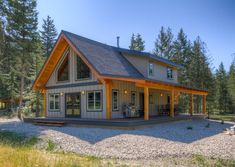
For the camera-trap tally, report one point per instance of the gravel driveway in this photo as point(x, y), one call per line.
point(161, 140)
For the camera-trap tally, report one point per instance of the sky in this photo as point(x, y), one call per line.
point(104, 20)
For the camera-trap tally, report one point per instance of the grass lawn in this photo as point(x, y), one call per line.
point(227, 117)
point(17, 150)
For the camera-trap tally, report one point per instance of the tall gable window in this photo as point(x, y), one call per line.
point(150, 69)
point(83, 71)
point(169, 73)
point(63, 71)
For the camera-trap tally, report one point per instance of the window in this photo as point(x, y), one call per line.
point(150, 69)
point(133, 98)
point(82, 70)
point(169, 73)
point(94, 100)
point(150, 99)
point(115, 100)
point(54, 102)
point(63, 71)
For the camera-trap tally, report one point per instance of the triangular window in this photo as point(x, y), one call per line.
point(83, 70)
point(63, 71)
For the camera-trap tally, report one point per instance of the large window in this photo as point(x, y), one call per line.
point(82, 69)
point(63, 71)
point(133, 98)
point(115, 100)
point(94, 101)
point(169, 73)
point(151, 69)
point(54, 102)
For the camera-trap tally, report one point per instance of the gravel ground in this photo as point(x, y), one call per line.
point(161, 140)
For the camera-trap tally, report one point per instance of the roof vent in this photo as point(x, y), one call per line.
point(118, 41)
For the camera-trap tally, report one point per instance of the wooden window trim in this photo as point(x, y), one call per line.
point(76, 70)
point(66, 54)
point(101, 101)
point(49, 98)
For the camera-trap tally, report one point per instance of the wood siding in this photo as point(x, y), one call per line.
point(160, 70)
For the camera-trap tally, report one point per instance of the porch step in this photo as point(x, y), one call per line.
point(48, 123)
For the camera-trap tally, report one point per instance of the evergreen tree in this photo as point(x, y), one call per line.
point(137, 43)
point(22, 33)
point(222, 89)
point(48, 35)
point(231, 85)
point(164, 43)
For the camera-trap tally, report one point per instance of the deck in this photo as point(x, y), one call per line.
point(127, 122)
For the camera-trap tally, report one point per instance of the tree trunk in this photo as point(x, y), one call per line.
point(21, 97)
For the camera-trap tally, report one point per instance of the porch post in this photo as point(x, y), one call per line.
point(172, 101)
point(204, 104)
point(146, 103)
point(108, 90)
point(45, 102)
point(191, 105)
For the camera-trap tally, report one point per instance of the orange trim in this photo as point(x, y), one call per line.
point(172, 103)
point(45, 103)
point(108, 88)
point(146, 103)
point(204, 105)
point(191, 105)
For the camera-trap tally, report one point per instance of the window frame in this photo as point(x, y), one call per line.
point(149, 66)
point(117, 91)
point(135, 103)
point(54, 101)
point(94, 101)
point(76, 70)
point(171, 77)
point(66, 54)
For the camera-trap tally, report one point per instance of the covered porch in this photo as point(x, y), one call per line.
point(159, 99)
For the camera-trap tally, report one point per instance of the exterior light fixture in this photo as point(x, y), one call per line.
point(61, 93)
point(125, 91)
point(161, 94)
point(83, 92)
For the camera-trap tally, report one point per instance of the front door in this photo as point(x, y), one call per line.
point(141, 102)
point(73, 105)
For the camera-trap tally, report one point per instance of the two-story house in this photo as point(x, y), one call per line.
point(87, 79)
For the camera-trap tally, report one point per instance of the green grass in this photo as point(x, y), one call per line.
point(227, 117)
point(16, 150)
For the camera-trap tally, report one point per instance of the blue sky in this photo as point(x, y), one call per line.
point(103, 20)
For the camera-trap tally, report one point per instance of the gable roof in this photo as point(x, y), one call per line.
point(103, 58)
point(105, 61)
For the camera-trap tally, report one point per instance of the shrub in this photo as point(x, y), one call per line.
point(51, 145)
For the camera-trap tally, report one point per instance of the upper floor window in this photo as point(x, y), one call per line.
point(63, 71)
point(83, 70)
point(151, 69)
point(169, 73)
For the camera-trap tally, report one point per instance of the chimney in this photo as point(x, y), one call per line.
point(118, 41)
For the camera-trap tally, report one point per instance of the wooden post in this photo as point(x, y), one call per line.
point(172, 103)
point(146, 103)
point(204, 104)
point(45, 102)
point(108, 89)
point(191, 105)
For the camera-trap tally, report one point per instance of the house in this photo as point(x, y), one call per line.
point(87, 79)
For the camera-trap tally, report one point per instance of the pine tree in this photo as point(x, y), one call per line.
point(231, 85)
point(137, 43)
point(222, 89)
point(48, 35)
point(22, 33)
point(164, 43)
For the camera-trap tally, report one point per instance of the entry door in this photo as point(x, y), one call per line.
point(141, 102)
point(73, 105)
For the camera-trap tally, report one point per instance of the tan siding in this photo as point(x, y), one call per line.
point(84, 113)
point(160, 71)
